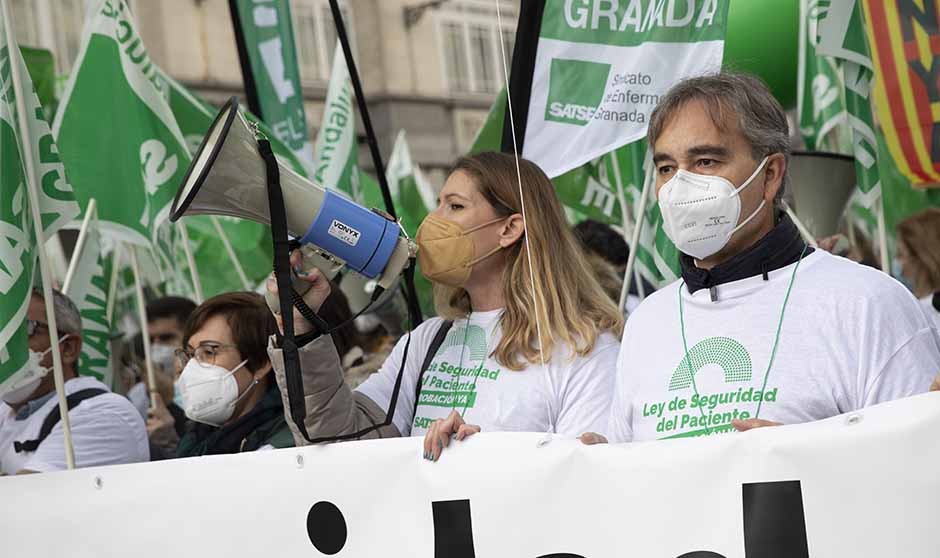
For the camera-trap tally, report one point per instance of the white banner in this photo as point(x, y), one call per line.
point(864, 485)
point(601, 68)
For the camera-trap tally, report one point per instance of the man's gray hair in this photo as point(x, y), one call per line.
point(67, 317)
point(760, 118)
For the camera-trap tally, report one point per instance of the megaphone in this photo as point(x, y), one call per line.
point(227, 176)
point(820, 187)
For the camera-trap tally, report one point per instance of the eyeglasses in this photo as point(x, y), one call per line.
point(32, 326)
point(205, 353)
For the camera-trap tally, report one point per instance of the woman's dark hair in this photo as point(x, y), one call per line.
point(247, 316)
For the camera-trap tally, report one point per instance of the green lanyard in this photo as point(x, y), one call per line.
point(773, 352)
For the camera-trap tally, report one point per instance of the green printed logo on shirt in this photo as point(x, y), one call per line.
point(708, 412)
point(454, 376)
point(725, 352)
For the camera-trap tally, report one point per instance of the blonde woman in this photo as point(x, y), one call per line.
point(517, 356)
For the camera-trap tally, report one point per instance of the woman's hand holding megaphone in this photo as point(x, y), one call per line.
point(319, 290)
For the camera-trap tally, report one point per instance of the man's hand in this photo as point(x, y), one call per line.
point(751, 424)
point(438, 436)
point(592, 438)
point(935, 386)
point(319, 291)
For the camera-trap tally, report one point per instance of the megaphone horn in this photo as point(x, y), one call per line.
point(820, 187)
point(227, 176)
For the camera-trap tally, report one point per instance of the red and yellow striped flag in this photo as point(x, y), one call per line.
point(904, 37)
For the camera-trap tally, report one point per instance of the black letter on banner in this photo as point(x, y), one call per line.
point(774, 523)
point(326, 528)
point(453, 533)
point(702, 554)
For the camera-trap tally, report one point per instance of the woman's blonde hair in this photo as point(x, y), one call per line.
point(920, 234)
point(572, 307)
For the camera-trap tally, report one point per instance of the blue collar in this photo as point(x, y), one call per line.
point(32, 406)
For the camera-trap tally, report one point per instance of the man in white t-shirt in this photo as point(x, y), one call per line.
point(761, 329)
point(106, 428)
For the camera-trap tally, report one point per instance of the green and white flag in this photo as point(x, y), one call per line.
point(265, 35)
point(17, 237)
point(601, 67)
point(115, 129)
point(251, 241)
point(413, 194)
point(414, 197)
point(89, 288)
point(336, 153)
point(820, 91)
point(841, 35)
point(657, 258)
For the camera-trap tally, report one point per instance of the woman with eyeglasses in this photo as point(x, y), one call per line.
point(227, 389)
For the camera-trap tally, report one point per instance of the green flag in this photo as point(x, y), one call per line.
point(336, 159)
point(414, 198)
point(820, 91)
point(841, 35)
point(116, 132)
point(657, 258)
point(17, 241)
point(266, 43)
point(411, 191)
point(41, 66)
point(57, 207)
point(250, 241)
point(89, 287)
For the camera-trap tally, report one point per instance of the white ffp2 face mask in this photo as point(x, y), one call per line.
point(210, 392)
point(28, 383)
point(701, 212)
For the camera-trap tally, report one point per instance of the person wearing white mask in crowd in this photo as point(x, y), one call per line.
point(483, 370)
point(227, 389)
point(106, 429)
point(166, 317)
point(760, 329)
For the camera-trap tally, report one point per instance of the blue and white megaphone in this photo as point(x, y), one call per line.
point(228, 177)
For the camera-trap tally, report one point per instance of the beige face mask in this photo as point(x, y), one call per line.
point(445, 250)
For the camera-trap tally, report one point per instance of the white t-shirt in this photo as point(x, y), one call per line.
point(106, 430)
point(567, 395)
point(851, 337)
point(933, 316)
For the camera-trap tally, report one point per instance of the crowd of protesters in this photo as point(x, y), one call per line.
point(761, 328)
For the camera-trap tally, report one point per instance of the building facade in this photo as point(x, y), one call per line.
point(429, 67)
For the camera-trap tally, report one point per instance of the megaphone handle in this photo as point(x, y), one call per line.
point(300, 287)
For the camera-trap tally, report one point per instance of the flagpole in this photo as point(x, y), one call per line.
point(637, 227)
point(807, 236)
point(112, 284)
point(79, 245)
point(882, 235)
point(231, 252)
point(44, 270)
point(142, 310)
point(414, 307)
point(191, 261)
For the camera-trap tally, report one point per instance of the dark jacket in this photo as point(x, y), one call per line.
point(262, 426)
